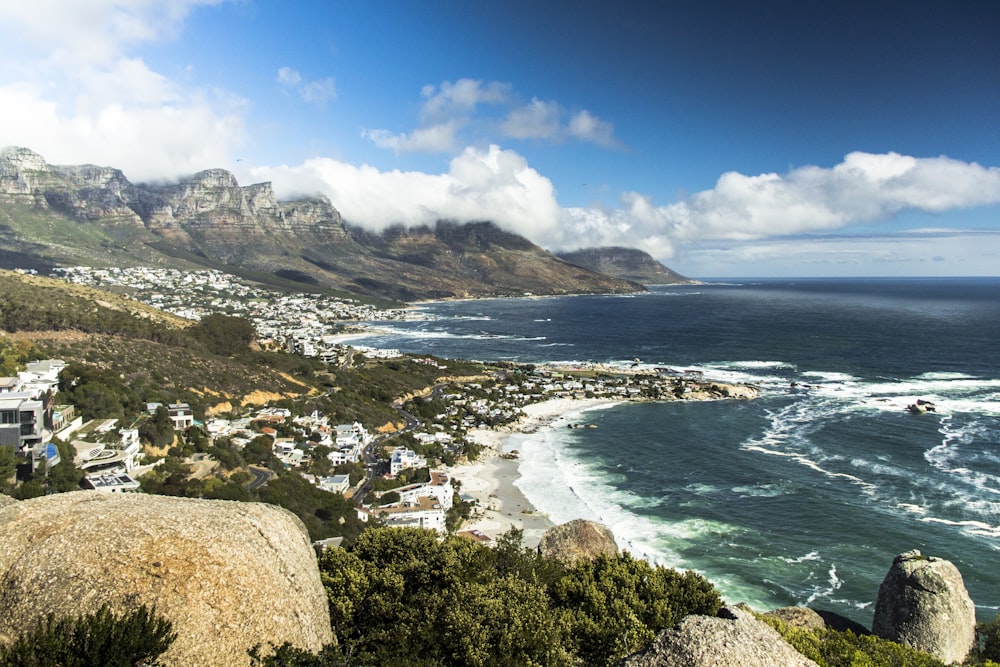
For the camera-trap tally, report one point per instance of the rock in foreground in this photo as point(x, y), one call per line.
point(228, 575)
point(735, 639)
point(923, 603)
point(577, 540)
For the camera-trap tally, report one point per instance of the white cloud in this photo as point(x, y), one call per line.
point(491, 184)
point(71, 91)
point(864, 188)
point(92, 31)
point(471, 104)
point(537, 120)
point(289, 77)
point(317, 92)
point(461, 97)
point(587, 127)
point(438, 138)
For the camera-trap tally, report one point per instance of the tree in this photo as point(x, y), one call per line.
point(223, 334)
point(158, 429)
point(8, 463)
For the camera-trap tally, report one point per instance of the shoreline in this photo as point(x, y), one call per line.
point(491, 479)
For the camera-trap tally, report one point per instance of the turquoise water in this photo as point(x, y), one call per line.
point(804, 495)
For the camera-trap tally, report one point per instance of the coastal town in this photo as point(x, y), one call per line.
point(440, 468)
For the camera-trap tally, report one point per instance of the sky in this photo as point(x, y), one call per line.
point(727, 139)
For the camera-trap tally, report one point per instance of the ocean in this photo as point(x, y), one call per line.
point(803, 496)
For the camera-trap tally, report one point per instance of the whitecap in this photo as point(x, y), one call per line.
point(811, 556)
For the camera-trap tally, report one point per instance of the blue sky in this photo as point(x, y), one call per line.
point(725, 138)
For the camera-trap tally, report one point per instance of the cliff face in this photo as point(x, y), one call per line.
point(625, 263)
point(210, 218)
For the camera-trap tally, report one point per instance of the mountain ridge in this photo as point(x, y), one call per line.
point(626, 263)
point(86, 214)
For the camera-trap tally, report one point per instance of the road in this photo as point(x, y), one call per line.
point(260, 477)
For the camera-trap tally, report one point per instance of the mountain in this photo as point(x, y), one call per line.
point(626, 263)
point(64, 215)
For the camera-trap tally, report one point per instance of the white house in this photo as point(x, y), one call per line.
point(439, 489)
point(335, 483)
point(403, 458)
point(181, 416)
point(423, 513)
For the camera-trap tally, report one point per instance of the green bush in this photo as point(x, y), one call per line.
point(402, 596)
point(833, 648)
point(617, 604)
point(101, 638)
point(990, 636)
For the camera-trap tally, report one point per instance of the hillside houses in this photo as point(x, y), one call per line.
point(298, 323)
point(26, 411)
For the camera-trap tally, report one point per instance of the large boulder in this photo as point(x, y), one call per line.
point(228, 575)
point(577, 540)
point(799, 617)
point(923, 603)
point(735, 639)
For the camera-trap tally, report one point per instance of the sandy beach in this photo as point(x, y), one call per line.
point(490, 479)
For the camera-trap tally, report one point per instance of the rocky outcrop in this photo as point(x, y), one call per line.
point(228, 575)
point(735, 639)
point(923, 603)
point(799, 617)
point(577, 540)
point(626, 263)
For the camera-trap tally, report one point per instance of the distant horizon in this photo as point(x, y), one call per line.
point(775, 137)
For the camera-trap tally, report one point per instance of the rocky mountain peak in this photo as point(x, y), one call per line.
point(261, 199)
point(20, 169)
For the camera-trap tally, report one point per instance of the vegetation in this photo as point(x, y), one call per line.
point(989, 634)
point(62, 477)
point(833, 648)
point(401, 596)
point(101, 638)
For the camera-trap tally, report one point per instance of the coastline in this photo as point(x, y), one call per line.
point(491, 478)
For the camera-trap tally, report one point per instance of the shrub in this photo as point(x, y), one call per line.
point(833, 648)
point(990, 635)
point(101, 638)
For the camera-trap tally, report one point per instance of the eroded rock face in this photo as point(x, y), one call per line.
point(228, 575)
point(735, 639)
point(577, 540)
point(923, 603)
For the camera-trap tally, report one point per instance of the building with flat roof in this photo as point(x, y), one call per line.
point(22, 420)
point(110, 483)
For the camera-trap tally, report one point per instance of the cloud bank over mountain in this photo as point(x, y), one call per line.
point(90, 82)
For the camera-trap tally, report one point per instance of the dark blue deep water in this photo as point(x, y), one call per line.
point(805, 495)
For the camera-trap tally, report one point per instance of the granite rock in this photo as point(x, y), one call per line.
point(228, 575)
point(577, 540)
point(923, 603)
point(735, 638)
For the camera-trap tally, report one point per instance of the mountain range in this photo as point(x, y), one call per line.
point(88, 215)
